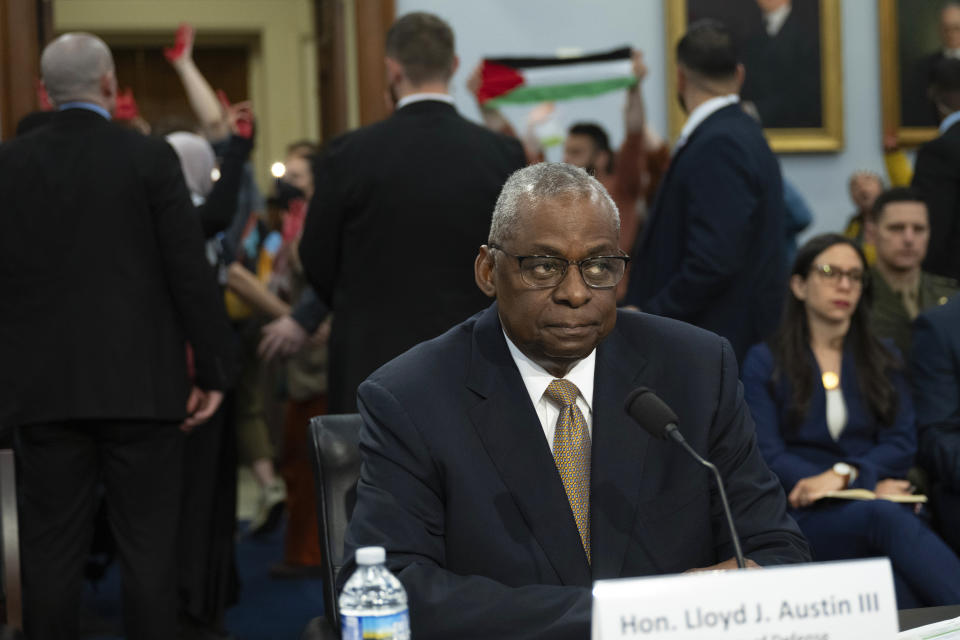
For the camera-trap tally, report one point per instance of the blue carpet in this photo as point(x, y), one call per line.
point(268, 609)
point(271, 609)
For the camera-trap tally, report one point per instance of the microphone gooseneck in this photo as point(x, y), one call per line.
point(660, 421)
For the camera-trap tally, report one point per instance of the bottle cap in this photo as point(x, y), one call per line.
point(371, 555)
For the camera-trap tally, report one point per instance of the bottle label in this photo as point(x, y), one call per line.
point(391, 627)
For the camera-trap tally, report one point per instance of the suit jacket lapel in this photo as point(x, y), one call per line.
point(619, 447)
point(509, 428)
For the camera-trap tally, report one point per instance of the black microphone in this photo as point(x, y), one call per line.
point(659, 420)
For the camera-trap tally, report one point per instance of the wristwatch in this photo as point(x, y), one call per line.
point(845, 471)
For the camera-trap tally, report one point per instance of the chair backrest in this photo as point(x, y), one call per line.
point(335, 444)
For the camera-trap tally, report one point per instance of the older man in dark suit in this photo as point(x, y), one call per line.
point(500, 470)
point(712, 250)
point(103, 280)
point(399, 209)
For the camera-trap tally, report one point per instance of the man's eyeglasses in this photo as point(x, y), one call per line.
point(544, 272)
point(836, 274)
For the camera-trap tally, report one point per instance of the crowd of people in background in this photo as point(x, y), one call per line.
point(230, 317)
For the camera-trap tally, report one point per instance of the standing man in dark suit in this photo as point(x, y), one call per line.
point(399, 209)
point(103, 281)
point(937, 175)
point(712, 251)
point(500, 470)
point(935, 365)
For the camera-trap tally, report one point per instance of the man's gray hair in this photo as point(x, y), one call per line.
point(530, 186)
point(72, 66)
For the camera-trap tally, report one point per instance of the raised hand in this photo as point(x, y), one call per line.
point(126, 108)
point(182, 48)
point(475, 79)
point(239, 116)
point(639, 68)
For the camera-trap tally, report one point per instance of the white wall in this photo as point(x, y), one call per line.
point(540, 27)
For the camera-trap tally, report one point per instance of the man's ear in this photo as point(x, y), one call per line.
point(455, 65)
point(483, 268)
point(108, 85)
point(603, 160)
point(394, 71)
point(741, 76)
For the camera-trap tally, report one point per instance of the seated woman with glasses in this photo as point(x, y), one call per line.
point(833, 411)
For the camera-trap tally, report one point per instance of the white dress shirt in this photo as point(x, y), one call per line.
point(537, 380)
point(420, 97)
point(774, 20)
point(702, 112)
point(836, 412)
point(949, 121)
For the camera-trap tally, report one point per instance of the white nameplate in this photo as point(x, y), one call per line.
point(826, 601)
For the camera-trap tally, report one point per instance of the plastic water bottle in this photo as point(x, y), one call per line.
point(373, 603)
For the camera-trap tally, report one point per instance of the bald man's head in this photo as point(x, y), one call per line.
point(79, 66)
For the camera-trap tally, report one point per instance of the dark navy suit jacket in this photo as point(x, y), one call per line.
point(103, 278)
point(712, 251)
point(460, 486)
point(935, 365)
point(937, 177)
point(878, 452)
point(399, 210)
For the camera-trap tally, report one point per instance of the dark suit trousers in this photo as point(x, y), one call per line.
point(946, 503)
point(208, 514)
point(60, 465)
point(926, 572)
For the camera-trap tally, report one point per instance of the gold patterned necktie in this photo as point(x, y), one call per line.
point(571, 450)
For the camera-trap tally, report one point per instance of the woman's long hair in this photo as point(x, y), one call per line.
point(791, 344)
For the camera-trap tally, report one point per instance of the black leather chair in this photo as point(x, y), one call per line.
point(334, 443)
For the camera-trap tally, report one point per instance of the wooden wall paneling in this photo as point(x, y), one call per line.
point(331, 67)
point(373, 20)
point(19, 62)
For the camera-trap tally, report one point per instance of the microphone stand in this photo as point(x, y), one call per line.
point(677, 437)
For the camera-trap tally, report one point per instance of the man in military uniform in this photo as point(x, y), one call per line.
point(899, 228)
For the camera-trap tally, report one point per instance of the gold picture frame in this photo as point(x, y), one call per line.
point(825, 138)
point(890, 80)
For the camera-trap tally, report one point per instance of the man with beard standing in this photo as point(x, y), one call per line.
point(712, 251)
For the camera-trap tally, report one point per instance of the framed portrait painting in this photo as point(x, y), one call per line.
point(914, 36)
point(791, 52)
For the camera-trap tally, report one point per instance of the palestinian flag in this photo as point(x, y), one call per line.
point(524, 80)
